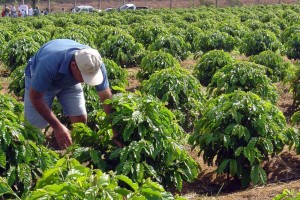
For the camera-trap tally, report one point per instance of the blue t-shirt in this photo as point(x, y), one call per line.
point(49, 68)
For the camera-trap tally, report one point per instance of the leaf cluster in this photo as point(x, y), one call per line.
point(277, 68)
point(17, 51)
point(245, 76)
point(22, 155)
point(123, 49)
point(153, 141)
point(259, 40)
point(172, 44)
point(214, 40)
point(154, 61)
point(209, 63)
point(181, 92)
point(237, 132)
point(68, 179)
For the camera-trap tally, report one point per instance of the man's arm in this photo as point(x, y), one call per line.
point(103, 95)
point(61, 133)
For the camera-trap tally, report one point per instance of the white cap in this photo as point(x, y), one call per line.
point(89, 63)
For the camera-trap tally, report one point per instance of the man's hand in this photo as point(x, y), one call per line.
point(115, 139)
point(62, 136)
point(61, 133)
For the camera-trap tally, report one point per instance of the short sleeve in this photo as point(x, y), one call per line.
point(42, 78)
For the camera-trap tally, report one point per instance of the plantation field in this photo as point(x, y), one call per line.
point(206, 100)
point(283, 170)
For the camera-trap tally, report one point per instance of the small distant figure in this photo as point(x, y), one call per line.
point(36, 11)
point(4, 11)
point(13, 11)
point(19, 14)
point(30, 11)
point(63, 10)
point(46, 11)
point(23, 13)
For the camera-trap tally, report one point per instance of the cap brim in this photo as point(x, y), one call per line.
point(96, 79)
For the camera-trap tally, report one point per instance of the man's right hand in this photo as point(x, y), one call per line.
point(62, 136)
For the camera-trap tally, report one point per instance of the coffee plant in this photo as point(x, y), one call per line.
point(295, 87)
point(277, 68)
point(155, 61)
point(245, 76)
point(172, 44)
point(209, 63)
point(17, 84)
point(117, 76)
point(153, 141)
point(214, 40)
point(237, 132)
point(123, 49)
point(292, 46)
point(22, 155)
point(69, 179)
point(181, 92)
point(17, 52)
point(259, 40)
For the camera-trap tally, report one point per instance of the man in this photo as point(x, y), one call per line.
point(57, 70)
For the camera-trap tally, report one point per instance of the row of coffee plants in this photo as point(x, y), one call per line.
point(29, 170)
point(225, 108)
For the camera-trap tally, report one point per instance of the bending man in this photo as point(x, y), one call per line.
point(57, 70)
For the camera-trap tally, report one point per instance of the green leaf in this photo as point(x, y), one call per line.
point(128, 181)
point(233, 167)
point(223, 166)
point(2, 159)
point(258, 175)
point(128, 130)
point(249, 153)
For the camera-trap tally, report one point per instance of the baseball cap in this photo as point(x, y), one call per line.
point(89, 62)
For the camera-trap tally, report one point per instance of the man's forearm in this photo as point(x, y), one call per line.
point(103, 95)
point(43, 109)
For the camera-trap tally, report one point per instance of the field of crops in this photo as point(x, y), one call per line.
point(195, 90)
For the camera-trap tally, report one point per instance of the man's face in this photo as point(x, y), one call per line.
point(76, 72)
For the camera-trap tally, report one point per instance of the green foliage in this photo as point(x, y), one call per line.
point(295, 87)
point(146, 34)
point(209, 63)
point(292, 46)
point(213, 40)
point(245, 76)
point(172, 44)
point(123, 49)
point(77, 33)
point(181, 92)
point(17, 51)
point(39, 36)
point(287, 195)
point(295, 119)
point(286, 34)
point(277, 67)
point(117, 76)
point(191, 33)
point(17, 84)
point(154, 141)
point(68, 179)
point(259, 40)
point(105, 31)
point(237, 132)
point(22, 155)
point(154, 61)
